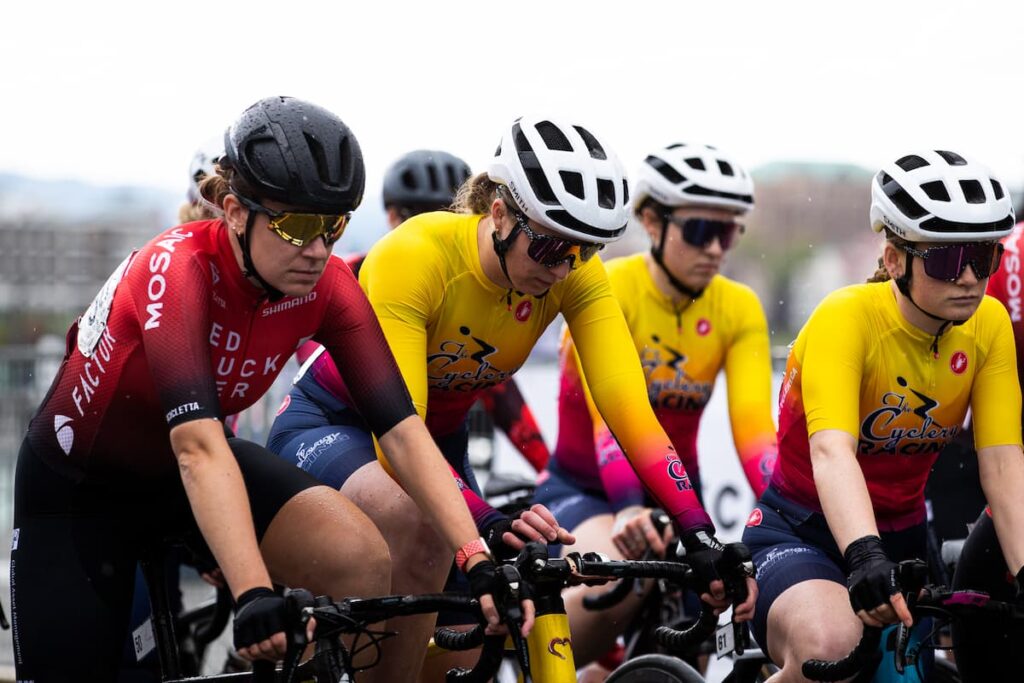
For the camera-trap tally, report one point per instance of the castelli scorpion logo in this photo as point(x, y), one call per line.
point(555, 642)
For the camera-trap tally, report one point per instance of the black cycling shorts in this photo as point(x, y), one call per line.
point(76, 546)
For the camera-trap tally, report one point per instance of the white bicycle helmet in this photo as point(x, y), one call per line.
point(564, 178)
point(940, 196)
point(202, 165)
point(694, 175)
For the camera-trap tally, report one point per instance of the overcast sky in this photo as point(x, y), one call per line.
point(124, 92)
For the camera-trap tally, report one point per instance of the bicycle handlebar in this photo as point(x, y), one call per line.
point(921, 599)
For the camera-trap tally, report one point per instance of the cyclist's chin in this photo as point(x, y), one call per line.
point(298, 284)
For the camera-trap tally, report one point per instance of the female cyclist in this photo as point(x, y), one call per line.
point(463, 297)
point(687, 323)
point(878, 380)
point(128, 445)
point(420, 181)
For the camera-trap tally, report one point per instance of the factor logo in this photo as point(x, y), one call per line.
point(555, 642)
point(755, 518)
point(703, 327)
point(523, 311)
point(958, 363)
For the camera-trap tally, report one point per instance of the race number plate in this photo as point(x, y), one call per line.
point(725, 641)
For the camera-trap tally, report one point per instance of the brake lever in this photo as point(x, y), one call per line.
point(514, 617)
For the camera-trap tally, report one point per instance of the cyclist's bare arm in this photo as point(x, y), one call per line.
point(219, 502)
point(1002, 478)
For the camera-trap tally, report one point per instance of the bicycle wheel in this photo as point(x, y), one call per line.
point(655, 669)
point(944, 671)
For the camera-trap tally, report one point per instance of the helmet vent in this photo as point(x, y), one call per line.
point(952, 158)
point(911, 162)
point(625, 191)
point(605, 193)
point(901, 199)
point(320, 159)
point(997, 188)
point(697, 163)
point(936, 190)
point(671, 174)
point(677, 145)
point(538, 182)
point(593, 146)
point(553, 137)
point(454, 181)
point(573, 183)
point(974, 193)
point(432, 178)
point(522, 144)
point(725, 167)
point(409, 180)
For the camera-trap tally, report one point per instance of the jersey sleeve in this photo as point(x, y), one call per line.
point(620, 482)
point(835, 345)
point(510, 412)
point(403, 300)
point(619, 390)
point(748, 373)
point(176, 331)
point(353, 337)
point(995, 396)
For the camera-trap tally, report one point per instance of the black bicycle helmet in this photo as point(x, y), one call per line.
point(424, 178)
point(290, 151)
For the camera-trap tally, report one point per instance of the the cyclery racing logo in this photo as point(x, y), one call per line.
point(668, 385)
point(159, 262)
point(1011, 264)
point(677, 472)
point(556, 642)
point(441, 372)
point(308, 456)
point(881, 433)
point(288, 304)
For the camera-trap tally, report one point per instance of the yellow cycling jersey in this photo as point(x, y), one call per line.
point(858, 366)
point(682, 347)
point(454, 333)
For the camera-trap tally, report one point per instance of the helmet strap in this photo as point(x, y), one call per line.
point(657, 253)
point(903, 284)
point(501, 247)
point(273, 294)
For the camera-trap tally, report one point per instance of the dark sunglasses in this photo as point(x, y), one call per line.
point(300, 229)
point(551, 251)
point(699, 232)
point(948, 262)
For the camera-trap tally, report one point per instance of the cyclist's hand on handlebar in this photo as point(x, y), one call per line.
point(485, 584)
point(535, 524)
point(704, 554)
point(874, 588)
point(633, 532)
point(259, 625)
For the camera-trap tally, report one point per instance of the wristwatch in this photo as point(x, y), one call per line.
point(477, 545)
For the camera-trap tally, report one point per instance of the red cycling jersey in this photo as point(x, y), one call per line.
point(178, 333)
point(1005, 285)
